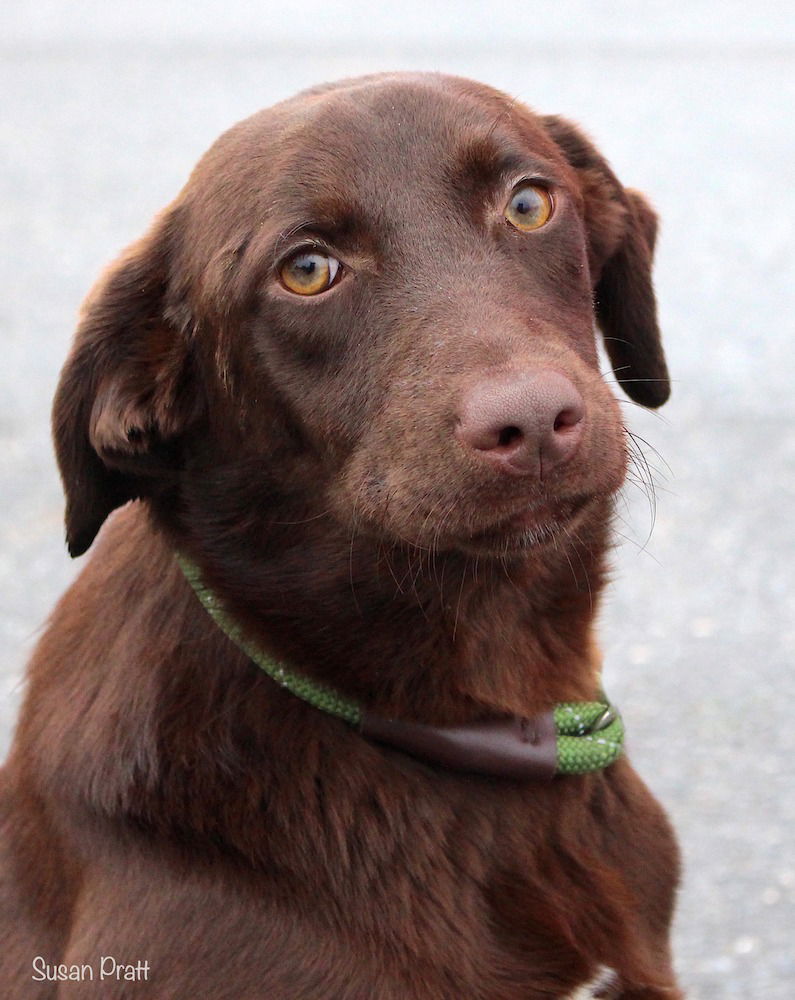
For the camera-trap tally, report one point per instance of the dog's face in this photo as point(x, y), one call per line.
point(380, 297)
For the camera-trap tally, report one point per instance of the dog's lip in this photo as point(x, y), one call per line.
point(534, 523)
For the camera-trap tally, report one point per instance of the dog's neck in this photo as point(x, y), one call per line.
point(437, 637)
point(456, 641)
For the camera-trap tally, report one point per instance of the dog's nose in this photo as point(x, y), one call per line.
point(524, 423)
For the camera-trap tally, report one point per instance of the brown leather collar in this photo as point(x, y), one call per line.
point(574, 738)
point(510, 747)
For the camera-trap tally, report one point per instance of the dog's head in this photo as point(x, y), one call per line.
point(377, 298)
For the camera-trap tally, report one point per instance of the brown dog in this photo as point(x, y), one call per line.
point(350, 374)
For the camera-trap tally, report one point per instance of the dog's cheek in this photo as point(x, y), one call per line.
point(324, 386)
point(396, 479)
point(604, 455)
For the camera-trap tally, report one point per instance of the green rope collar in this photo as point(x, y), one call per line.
point(574, 738)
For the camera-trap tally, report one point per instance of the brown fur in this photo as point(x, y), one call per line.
point(164, 800)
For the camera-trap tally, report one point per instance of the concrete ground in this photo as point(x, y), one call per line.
point(105, 108)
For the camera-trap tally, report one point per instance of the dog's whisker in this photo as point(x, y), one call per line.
point(638, 440)
point(443, 520)
point(632, 381)
point(460, 598)
point(304, 520)
point(652, 413)
point(354, 525)
point(575, 547)
point(642, 547)
point(613, 371)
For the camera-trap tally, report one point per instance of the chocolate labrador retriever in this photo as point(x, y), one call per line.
point(321, 716)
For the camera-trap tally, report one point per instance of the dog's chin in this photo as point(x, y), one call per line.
point(527, 529)
point(512, 542)
point(512, 534)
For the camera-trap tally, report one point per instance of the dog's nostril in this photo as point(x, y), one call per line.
point(508, 435)
point(567, 418)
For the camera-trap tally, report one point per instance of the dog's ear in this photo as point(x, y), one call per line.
point(126, 393)
point(622, 228)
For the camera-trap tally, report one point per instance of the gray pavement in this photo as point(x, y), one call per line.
point(104, 111)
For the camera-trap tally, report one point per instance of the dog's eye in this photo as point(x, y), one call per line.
point(529, 208)
point(309, 272)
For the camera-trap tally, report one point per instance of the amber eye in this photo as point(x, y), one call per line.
point(309, 272)
point(529, 208)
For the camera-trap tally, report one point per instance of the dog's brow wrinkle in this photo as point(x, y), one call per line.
point(294, 230)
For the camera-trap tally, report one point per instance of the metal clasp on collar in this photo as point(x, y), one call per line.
point(605, 719)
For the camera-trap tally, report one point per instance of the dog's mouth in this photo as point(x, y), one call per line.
point(533, 525)
point(500, 520)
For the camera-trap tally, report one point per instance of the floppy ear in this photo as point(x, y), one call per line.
point(621, 232)
point(126, 392)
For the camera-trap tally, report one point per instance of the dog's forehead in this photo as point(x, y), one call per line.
point(364, 134)
point(412, 129)
point(374, 157)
